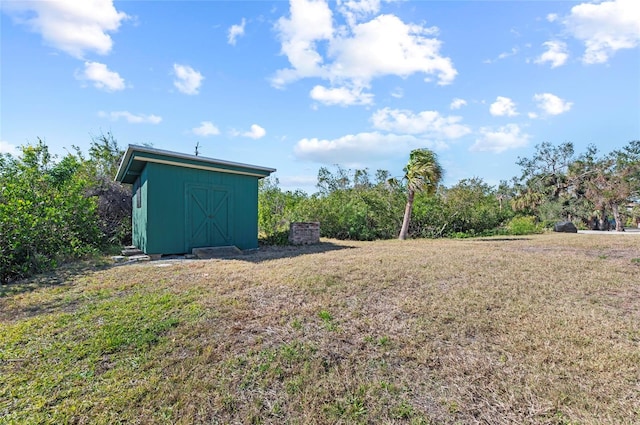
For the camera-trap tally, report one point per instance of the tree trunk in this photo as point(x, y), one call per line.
point(617, 218)
point(602, 220)
point(407, 216)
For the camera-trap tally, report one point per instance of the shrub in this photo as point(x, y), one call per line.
point(355, 213)
point(52, 212)
point(276, 210)
point(525, 225)
point(278, 238)
point(45, 217)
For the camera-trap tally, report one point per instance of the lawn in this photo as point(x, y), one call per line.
point(540, 329)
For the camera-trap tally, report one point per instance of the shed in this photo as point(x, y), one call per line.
point(182, 201)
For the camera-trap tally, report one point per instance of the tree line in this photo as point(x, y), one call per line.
point(556, 184)
point(587, 187)
point(351, 206)
point(55, 210)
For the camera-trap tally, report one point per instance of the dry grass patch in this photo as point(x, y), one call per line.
point(542, 329)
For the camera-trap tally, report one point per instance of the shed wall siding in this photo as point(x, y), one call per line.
point(139, 214)
point(166, 231)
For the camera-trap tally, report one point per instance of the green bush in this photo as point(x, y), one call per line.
point(430, 217)
point(46, 216)
point(525, 225)
point(278, 238)
point(355, 213)
point(468, 209)
point(276, 210)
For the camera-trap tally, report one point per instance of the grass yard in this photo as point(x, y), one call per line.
point(534, 330)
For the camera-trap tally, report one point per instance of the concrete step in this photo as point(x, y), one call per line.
point(119, 259)
point(131, 251)
point(216, 252)
point(142, 257)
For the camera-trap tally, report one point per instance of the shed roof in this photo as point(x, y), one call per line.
point(136, 157)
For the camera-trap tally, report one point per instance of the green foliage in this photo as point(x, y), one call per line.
point(430, 217)
point(473, 207)
point(524, 225)
point(349, 206)
point(422, 173)
point(358, 214)
point(469, 208)
point(558, 184)
point(276, 210)
point(45, 217)
point(353, 208)
point(544, 180)
point(104, 156)
point(277, 238)
point(51, 212)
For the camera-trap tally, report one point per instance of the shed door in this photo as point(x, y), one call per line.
point(209, 217)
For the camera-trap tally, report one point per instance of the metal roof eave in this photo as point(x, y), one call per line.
point(136, 153)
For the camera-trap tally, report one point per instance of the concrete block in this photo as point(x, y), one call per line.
point(142, 257)
point(129, 252)
point(216, 252)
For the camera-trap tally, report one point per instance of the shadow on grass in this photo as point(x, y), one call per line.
point(502, 239)
point(63, 276)
point(263, 253)
point(58, 277)
point(272, 252)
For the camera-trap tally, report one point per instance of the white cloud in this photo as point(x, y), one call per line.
point(356, 10)
point(388, 46)
point(514, 51)
point(236, 31)
point(503, 106)
point(310, 22)
point(188, 80)
point(355, 54)
point(73, 26)
point(342, 96)
point(255, 133)
point(357, 148)
point(556, 54)
point(427, 123)
point(552, 17)
point(605, 28)
point(504, 138)
point(398, 93)
point(131, 118)
point(101, 77)
point(551, 104)
point(207, 128)
point(6, 147)
point(457, 103)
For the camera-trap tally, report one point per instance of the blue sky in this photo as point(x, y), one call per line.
point(303, 84)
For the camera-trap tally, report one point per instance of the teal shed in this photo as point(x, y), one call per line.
point(181, 201)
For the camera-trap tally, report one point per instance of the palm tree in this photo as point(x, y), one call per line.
point(422, 173)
